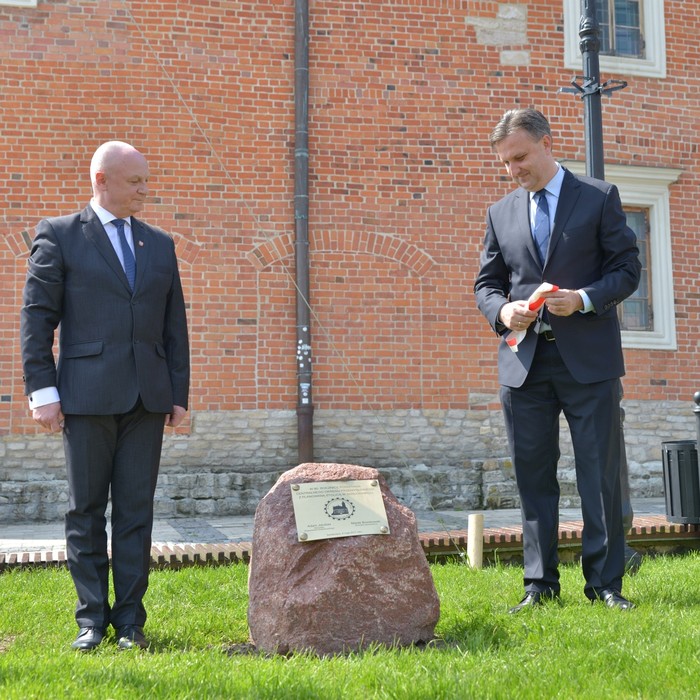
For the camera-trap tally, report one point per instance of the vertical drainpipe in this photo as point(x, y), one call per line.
point(305, 407)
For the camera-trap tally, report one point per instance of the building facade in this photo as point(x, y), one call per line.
point(402, 97)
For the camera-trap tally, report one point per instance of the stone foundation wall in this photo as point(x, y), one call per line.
point(431, 459)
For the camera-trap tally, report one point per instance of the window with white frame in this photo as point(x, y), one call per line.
point(636, 313)
point(647, 317)
point(620, 28)
point(631, 32)
point(19, 3)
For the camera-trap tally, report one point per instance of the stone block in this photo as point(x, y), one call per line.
point(337, 595)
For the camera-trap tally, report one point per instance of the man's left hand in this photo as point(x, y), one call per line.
point(564, 302)
point(174, 419)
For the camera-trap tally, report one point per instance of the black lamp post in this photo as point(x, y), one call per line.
point(591, 90)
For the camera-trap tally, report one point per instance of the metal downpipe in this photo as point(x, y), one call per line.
point(305, 407)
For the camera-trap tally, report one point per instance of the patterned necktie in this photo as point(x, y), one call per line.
point(541, 231)
point(129, 261)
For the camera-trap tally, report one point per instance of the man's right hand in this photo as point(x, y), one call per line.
point(49, 416)
point(517, 316)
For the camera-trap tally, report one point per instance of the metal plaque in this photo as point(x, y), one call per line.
point(327, 509)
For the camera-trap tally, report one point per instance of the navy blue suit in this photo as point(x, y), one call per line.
point(123, 363)
point(591, 249)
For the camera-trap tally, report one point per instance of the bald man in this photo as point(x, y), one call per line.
point(111, 283)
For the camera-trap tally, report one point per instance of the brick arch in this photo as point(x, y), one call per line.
point(18, 242)
point(186, 249)
point(280, 247)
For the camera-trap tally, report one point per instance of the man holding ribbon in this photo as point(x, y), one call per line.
point(566, 234)
point(111, 284)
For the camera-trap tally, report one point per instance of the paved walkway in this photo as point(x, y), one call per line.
point(177, 533)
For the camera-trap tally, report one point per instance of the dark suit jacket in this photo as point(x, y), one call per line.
point(591, 248)
point(113, 346)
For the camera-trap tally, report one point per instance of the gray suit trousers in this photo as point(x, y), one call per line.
point(121, 451)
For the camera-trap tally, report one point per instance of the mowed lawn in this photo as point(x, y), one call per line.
point(198, 629)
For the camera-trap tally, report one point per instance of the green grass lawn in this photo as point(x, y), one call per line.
point(197, 626)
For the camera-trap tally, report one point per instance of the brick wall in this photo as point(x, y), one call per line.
point(402, 97)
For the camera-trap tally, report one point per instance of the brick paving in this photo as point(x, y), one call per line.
point(180, 542)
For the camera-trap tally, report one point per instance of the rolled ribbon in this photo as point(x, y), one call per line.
point(535, 301)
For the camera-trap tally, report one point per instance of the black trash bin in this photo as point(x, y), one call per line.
point(681, 481)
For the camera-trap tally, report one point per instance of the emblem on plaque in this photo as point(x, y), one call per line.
point(340, 510)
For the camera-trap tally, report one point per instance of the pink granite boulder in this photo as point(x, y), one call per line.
point(337, 595)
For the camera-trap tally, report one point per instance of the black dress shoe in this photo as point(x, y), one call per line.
point(130, 637)
point(534, 598)
point(88, 638)
point(614, 599)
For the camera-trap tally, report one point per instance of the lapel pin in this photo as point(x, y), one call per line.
point(141, 243)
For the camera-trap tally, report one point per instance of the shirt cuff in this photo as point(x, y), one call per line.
point(587, 304)
point(41, 397)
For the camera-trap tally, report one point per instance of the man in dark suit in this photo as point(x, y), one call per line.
point(570, 232)
point(112, 284)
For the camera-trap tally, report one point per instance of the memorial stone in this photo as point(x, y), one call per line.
point(340, 594)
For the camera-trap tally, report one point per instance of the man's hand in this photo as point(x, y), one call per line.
point(49, 416)
point(517, 316)
point(174, 419)
point(564, 302)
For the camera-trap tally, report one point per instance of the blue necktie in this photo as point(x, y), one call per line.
point(541, 231)
point(129, 261)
